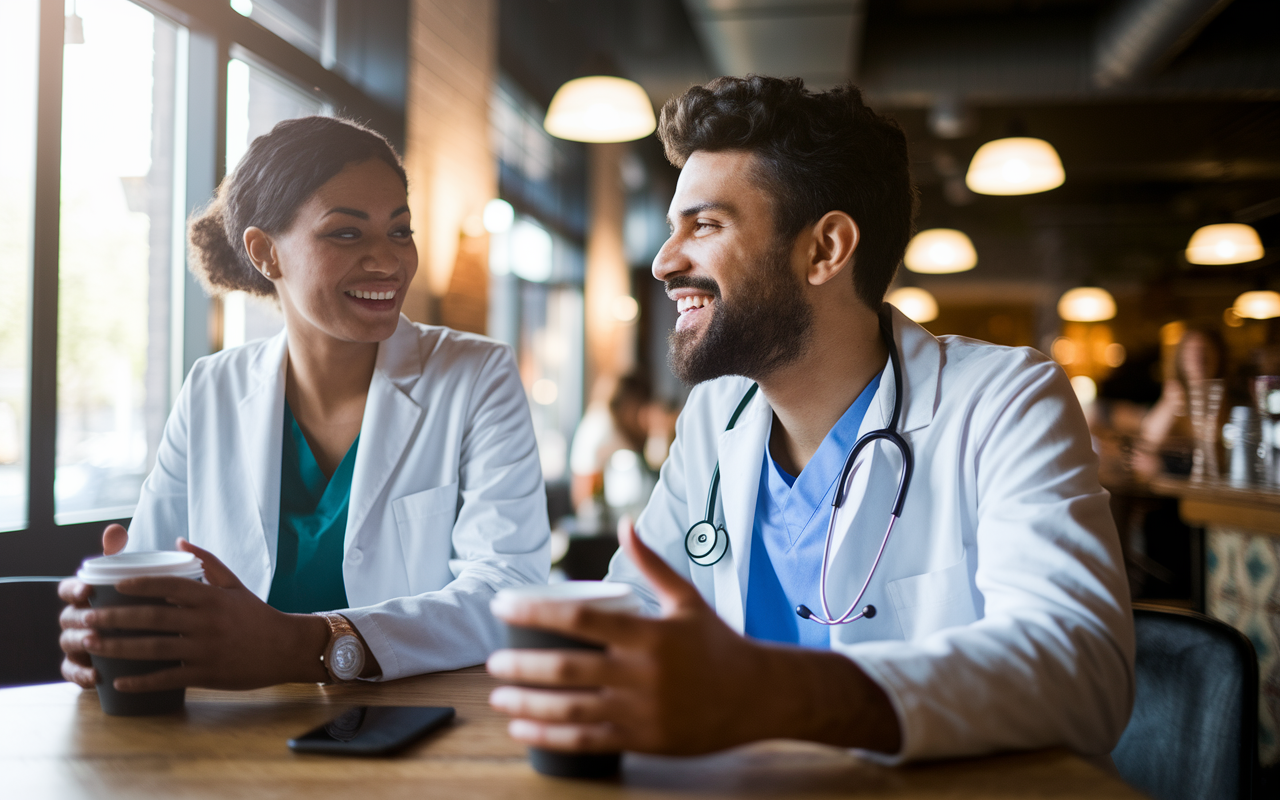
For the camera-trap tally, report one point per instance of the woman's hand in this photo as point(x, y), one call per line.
point(227, 637)
point(76, 666)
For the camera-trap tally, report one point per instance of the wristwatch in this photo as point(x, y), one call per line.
point(344, 657)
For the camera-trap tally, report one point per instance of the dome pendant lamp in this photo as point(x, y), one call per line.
point(600, 108)
point(1016, 165)
point(915, 303)
point(1087, 304)
point(1230, 243)
point(938, 251)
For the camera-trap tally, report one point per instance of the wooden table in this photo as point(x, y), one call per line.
point(55, 742)
point(1219, 502)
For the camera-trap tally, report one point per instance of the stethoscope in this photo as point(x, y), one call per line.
point(706, 543)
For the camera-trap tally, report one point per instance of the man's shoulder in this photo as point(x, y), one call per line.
point(713, 402)
point(975, 362)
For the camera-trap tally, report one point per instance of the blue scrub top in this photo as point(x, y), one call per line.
point(790, 532)
point(313, 526)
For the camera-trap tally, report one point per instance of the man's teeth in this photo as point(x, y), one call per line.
point(372, 295)
point(693, 301)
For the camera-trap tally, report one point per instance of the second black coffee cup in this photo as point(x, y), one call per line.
point(596, 594)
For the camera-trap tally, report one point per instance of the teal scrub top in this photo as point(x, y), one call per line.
point(313, 525)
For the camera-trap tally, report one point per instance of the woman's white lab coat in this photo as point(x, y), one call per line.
point(1003, 609)
point(447, 501)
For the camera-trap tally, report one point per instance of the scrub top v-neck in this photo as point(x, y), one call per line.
point(313, 527)
point(789, 534)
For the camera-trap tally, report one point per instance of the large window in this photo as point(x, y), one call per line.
point(18, 37)
point(116, 256)
point(537, 267)
point(119, 122)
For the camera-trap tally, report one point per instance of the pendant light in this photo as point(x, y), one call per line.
point(600, 108)
point(1087, 304)
point(1016, 165)
point(917, 304)
point(940, 250)
point(1257, 305)
point(1229, 243)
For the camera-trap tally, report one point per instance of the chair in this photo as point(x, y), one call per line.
point(30, 650)
point(1194, 729)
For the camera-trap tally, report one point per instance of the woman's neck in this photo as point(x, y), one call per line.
point(326, 384)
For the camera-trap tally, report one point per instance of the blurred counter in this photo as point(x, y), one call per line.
point(1242, 576)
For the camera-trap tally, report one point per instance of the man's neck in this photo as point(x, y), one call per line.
point(810, 395)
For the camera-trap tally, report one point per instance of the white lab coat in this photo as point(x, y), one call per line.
point(447, 500)
point(1003, 610)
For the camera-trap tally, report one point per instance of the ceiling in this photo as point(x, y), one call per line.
point(1166, 114)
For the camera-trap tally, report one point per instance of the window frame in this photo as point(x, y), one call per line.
point(211, 33)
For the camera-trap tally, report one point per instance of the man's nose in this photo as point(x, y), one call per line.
point(669, 259)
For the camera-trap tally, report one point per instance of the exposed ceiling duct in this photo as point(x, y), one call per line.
point(1140, 36)
point(810, 39)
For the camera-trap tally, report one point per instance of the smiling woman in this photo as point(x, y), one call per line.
point(357, 472)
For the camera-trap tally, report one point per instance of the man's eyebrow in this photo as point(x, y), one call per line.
point(698, 208)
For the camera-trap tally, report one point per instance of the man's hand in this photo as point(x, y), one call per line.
point(682, 684)
point(228, 638)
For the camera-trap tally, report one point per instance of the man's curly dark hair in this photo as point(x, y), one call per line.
point(817, 152)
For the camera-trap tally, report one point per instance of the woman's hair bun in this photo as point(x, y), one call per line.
point(215, 262)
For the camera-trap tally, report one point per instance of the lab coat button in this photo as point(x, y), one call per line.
point(356, 556)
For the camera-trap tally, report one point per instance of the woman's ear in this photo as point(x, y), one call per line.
point(262, 251)
point(835, 238)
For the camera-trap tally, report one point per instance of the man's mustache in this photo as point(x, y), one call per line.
point(692, 282)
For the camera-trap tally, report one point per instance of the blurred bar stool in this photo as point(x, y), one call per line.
point(1194, 729)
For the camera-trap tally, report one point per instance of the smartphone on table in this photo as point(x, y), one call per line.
point(372, 730)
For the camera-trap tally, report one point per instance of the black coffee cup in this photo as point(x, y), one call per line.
point(597, 594)
point(101, 574)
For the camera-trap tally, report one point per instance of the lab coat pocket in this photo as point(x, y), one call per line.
point(933, 601)
point(424, 521)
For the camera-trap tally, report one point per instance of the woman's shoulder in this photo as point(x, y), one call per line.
point(244, 362)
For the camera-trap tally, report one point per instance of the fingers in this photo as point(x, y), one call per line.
point(673, 590)
point(114, 538)
point(174, 678)
point(542, 705)
point(179, 591)
point(141, 648)
point(75, 643)
point(80, 674)
point(74, 592)
point(215, 572)
point(561, 668)
point(600, 737)
point(166, 618)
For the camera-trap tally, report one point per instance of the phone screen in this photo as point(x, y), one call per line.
point(372, 730)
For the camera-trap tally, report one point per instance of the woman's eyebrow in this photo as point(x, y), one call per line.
point(349, 211)
point(401, 210)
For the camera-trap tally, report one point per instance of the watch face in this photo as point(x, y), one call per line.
point(346, 659)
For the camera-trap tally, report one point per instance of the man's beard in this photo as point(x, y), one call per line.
point(768, 327)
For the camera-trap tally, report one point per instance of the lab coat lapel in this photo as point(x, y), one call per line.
point(261, 419)
point(391, 420)
point(741, 453)
point(875, 475)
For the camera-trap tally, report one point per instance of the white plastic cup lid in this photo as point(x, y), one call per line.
point(109, 570)
point(600, 595)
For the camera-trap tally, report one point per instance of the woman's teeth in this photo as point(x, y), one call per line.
point(372, 295)
point(693, 301)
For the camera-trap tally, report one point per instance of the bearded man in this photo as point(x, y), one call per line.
point(967, 594)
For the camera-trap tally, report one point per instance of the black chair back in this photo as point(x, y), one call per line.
point(30, 652)
point(1194, 729)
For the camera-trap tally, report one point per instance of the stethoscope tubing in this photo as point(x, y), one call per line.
point(889, 434)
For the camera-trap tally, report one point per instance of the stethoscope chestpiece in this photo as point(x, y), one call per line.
point(705, 543)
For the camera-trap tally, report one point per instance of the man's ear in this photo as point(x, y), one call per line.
point(835, 238)
point(261, 249)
